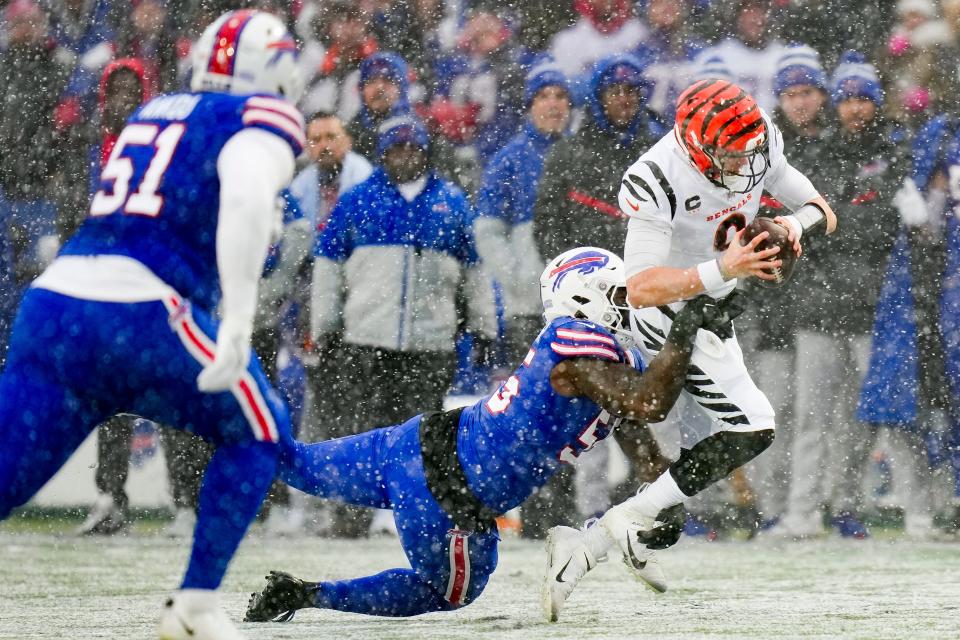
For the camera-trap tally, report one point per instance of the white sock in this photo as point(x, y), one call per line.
point(663, 493)
point(596, 540)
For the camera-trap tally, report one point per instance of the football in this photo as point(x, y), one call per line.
point(777, 237)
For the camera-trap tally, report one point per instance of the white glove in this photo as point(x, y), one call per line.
point(230, 360)
point(910, 203)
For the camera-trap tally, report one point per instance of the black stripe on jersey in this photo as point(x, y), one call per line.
point(640, 182)
point(715, 110)
point(632, 191)
point(693, 389)
point(667, 189)
point(738, 419)
point(747, 130)
point(693, 111)
point(721, 407)
point(694, 370)
point(706, 382)
point(655, 330)
point(649, 338)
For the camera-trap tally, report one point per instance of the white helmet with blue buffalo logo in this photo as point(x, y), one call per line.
point(247, 51)
point(590, 284)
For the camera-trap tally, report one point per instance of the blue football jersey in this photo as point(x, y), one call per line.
point(512, 441)
point(159, 192)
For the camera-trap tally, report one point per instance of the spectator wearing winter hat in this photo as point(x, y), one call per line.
point(337, 37)
point(387, 269)
point(577, 195)
point(803, 114)
point(505, 204)
point(383, 86)
point(863, 170)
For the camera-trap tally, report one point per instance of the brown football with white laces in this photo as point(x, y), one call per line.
point(778, 238)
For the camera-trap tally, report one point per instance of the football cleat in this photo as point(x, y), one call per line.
point(194, 614)
point(568, 560)
point(638, 535)
point(105, 519)
point(280, 599)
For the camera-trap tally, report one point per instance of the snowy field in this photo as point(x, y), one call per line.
point(56, 586)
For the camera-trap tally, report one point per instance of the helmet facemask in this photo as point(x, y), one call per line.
point(738, 171)
point(588, 284)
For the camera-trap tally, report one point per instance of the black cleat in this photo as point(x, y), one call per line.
point(280, 599)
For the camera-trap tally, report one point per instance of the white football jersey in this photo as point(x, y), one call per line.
point(666, 197)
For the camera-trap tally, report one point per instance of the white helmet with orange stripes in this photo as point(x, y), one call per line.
point(588, 283)
point(247, 51)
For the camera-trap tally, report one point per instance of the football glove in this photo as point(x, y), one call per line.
point(230, 360)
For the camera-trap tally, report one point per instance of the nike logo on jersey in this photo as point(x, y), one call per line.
point(637, 563)
point(559, 577)
point(635, 207)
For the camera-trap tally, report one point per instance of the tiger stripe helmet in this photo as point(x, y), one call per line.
point(722, 129)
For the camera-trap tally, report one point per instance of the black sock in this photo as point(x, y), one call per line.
point(715, 457)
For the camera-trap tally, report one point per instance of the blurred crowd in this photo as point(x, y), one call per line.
point(455, 145)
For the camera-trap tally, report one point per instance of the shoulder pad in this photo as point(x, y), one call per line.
point(276, 116)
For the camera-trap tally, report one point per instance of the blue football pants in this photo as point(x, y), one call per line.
point(73, 363)
point(383, 469)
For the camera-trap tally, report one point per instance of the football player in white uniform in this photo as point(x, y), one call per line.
point(688, 200)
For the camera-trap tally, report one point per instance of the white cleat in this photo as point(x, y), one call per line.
point(105, 518)
point(195, 614)
point(568, 560)
point(642, 562)
point(624, 524)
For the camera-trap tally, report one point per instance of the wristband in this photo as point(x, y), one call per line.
point(710, 275)
point(795, 225)
point(809, 216)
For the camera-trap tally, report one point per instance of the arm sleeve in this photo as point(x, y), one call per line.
point(295, 246)
point(493, 245)
point(647, 245)
point(325, 297)
point(253, 167)
point(784, 182)
point(493, 198)
point(650, 212)
point(790, 187)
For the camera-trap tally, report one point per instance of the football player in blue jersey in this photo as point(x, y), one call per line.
point(123, 320)
point(447, 475)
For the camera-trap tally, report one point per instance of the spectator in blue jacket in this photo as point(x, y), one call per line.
point(508, 193)
point(384, 87)
point(387, 269)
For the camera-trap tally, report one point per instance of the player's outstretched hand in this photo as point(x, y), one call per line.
point(229, 361)
point(741, 261)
